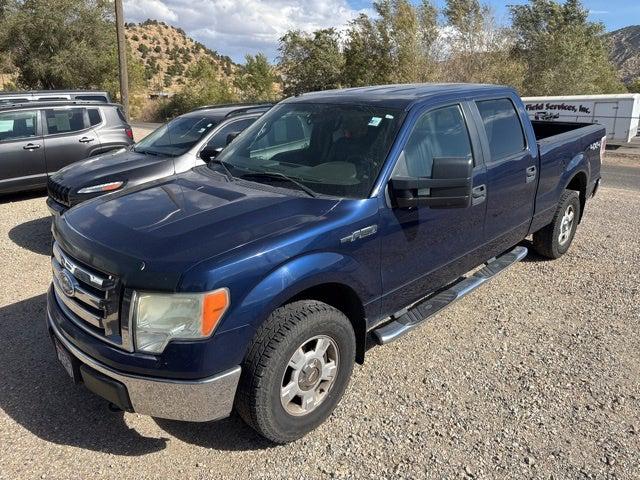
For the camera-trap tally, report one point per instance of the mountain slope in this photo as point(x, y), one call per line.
point(167, 53)
point(625, 52)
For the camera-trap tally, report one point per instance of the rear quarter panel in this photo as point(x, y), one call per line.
point(562, 157)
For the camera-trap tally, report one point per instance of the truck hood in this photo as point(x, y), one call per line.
point(111, 166)
point(153, 233)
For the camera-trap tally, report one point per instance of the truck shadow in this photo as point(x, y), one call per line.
point(532, 256)
point(36, 393)
point(34, 235)
point(230, 434)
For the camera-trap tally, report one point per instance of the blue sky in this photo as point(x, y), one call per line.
point(614, 14)
point(237, 27)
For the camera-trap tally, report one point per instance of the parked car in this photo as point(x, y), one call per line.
point(54, 95)
point(188, 140)
point(338, 219)
point(38, 139)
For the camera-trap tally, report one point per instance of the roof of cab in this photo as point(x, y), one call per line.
point(223, 111)
point(401, 96)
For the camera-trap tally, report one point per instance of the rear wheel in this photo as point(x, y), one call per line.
point(296, 370)
point(554, 240)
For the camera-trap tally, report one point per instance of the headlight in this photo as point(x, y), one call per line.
point(103, 187)
point(161, 317)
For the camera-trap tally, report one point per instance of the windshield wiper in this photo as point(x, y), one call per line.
point(147, 152)
point(224, 165)
point(282, 176)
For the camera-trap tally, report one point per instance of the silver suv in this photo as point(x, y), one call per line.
point(39, 138)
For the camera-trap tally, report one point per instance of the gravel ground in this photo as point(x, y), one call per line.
point(535, 376)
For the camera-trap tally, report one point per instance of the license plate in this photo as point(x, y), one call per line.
point(65, 359)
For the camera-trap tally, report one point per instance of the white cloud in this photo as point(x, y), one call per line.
point(236, 27)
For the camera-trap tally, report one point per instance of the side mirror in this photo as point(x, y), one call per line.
point(232, 136)
point(449, 186)
point(209, 152)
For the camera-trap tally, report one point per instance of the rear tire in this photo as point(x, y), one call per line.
point(296, 370)
point(554, 240)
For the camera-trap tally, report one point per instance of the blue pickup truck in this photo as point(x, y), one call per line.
point(338, 220)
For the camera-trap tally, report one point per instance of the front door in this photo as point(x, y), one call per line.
point(423, 248)
point(512, 174)
point(68, 137)
point(21, 151)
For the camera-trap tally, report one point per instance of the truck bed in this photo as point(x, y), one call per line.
point(544, 130)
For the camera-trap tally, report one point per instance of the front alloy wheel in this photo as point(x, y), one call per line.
point(310, 375)
point(296, 370)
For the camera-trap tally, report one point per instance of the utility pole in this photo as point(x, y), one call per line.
point(122, 58)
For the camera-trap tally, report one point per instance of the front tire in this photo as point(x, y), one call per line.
point(554, 240)
point(296, 370)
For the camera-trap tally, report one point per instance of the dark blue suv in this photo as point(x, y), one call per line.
point(337, 220)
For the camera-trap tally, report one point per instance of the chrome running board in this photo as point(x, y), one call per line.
point(423, 311)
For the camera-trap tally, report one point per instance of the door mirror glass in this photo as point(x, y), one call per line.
point(232, 136)
point(449, 186)
point(209, 152)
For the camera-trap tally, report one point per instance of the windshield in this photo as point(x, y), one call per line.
point(177, 136)
point(335, 150)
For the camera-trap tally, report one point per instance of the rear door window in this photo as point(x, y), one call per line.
point(94, 117)
point(503, 127)
point(65, 121)
point(17, 125)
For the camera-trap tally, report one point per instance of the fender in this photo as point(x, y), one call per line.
point(576, 165)
point(297, 275)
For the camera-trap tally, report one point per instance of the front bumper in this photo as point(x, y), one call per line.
point(189, 400)
point(56, 209)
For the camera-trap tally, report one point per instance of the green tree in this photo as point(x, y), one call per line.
point(310, 62)
point(256, 79)
point(634, 87)
point(203, 87)
point(62, 43)
point(564, 52)
point(394, 47)
point(477, 50)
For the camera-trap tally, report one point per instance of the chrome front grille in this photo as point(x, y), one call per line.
point(90, 298)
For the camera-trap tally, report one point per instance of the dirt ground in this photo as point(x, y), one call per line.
point(536, 375)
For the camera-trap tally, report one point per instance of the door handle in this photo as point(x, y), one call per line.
point(531, 173)
point(31, 146)
point(86, 140)
point(478, 194)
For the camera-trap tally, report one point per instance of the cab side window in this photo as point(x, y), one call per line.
point(17, 125)
point(503, 127)
point(65, 121)
point(440, 133)
point(219, 139)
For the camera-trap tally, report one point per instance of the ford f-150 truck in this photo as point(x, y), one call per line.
point(338, 220)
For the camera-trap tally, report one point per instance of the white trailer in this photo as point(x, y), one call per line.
point(620, 114)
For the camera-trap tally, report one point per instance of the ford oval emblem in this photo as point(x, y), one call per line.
point(67, 283)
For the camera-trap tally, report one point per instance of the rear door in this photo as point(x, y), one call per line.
point(68, 136)
point(22, 164)
point(512, 172)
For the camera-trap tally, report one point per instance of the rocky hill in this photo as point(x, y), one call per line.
point(625, 52)
point(167, 53)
